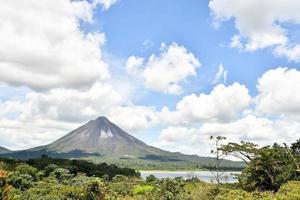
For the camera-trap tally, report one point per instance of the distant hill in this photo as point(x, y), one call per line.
point(4, 150)
point(101, 140)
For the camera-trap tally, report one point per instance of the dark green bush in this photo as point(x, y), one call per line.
point(272, 167)
point(20, 181)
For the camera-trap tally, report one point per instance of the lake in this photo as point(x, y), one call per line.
point(207, 176)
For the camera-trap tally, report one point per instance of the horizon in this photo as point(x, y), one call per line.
point(169, 73)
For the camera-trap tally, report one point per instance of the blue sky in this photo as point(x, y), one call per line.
point(58, 77)
point(128, 24)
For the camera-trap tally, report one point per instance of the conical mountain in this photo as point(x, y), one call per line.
point(103, 137)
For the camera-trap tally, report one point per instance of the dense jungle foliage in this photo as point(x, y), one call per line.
point(271, 173)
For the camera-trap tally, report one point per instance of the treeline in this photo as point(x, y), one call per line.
point(74, 166)
point(186, 163)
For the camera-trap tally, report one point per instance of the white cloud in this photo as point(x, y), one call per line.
point(147, 44)
point(134, 65)
point(279, 93)
point(222, 104)
point(45, 116)
point(292, 52)
point(105, 3)
point(262, 131)
point(20, 129)
point(172, 134)
point(249, 128)
point(72, 105)
point(133, 118)
point(274, 117)
point(42, 117)
point(202, 149)
point(236, 42)
point(221, 75)
point(22, 134)
point(166, 72)
point(265, 28)
point(42, 46)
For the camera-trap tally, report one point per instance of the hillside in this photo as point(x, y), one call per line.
point(4, 150)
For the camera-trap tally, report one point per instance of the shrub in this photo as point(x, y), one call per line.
point(19, 181)
point(61, 174)
point(235, 195)
point(151, 178)
point(272, 167)
point(170, 189)
point(141, 189)
point(95, 190)
point(27, 169)
point(50, 168)
point(202, 191)
point(290, 191)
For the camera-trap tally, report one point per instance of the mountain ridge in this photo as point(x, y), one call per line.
point(4, 150)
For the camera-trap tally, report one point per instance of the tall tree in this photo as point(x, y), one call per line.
point(217, 151)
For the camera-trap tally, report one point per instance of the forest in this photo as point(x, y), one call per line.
point(270, 173)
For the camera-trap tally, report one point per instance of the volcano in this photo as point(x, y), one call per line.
point(105, 138)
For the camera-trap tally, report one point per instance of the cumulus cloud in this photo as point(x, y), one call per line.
point(105, 3)
point(45, 116)
point(249, 128)
point(42, 117)
point(279, 92)
point(260, 130)
point(134, 118)
point(167, 71)
point(222, 104)
point(176, 133)
point(22, 134)
point(274, 116)
point(72, 105)
point(20, 129)
point(265, 28)
point(134, 65)
point(42, 46)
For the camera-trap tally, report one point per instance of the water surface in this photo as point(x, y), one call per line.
point(207, 176)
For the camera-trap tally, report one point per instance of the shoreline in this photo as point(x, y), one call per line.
point(174, 171)
point(178, 171)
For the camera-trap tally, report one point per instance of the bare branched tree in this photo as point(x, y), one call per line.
point(217, 151)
